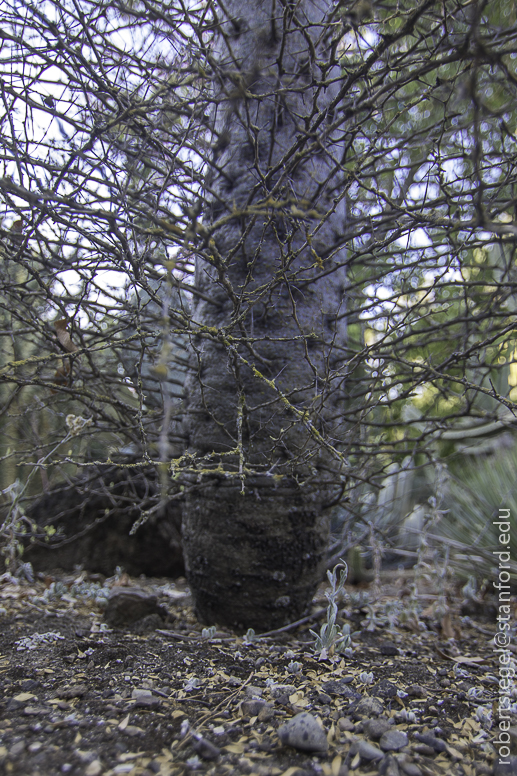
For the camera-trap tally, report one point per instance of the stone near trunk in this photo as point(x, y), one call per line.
point(305, 733)
point(126, 605)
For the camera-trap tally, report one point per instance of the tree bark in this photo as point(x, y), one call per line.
point(265, 386)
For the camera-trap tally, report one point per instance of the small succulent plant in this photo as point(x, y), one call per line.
point(331, 637)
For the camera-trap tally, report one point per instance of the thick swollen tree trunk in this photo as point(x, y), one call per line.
point(265, 385)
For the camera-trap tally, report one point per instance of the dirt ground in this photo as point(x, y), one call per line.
point(82, 696)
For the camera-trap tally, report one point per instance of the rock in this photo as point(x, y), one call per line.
point(324, 698)
point(266, 713)
point(375, 728)
point(252, 691)
point(74, 691)
point(369, 751)
point(389, 767)
point(344, 723)
point(144, 699)
point(428, 738)
point(411, 769)
point(126, 605)
point(252, 707)
point(366, 707)
point(416, 691)
point(36, 711)
point(206, 749)
point(281, 690)
point(389, 648)
point(427, 751)
point(340, 687)
point(393, 740)
point(17, 749)
point(133, 731)
point(13, 704)
point(384, 689)
point(94, 768)
point(305, 733)
point(85, 755)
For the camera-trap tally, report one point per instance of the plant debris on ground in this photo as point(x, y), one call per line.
point(103, 677)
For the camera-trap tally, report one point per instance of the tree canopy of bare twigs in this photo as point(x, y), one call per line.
point(154, 153)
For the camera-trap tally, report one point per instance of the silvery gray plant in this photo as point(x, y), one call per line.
point(331, 637)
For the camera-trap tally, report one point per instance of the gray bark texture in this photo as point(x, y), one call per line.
point(266, 382)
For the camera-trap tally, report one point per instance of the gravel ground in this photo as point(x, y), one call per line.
point(117, 677)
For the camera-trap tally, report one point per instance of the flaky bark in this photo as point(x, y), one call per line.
point(265, 386)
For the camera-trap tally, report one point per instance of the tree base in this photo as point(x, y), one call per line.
point(253, 560)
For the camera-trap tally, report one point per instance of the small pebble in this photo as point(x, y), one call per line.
point(17, 749)
point(340, 687)
point(345, 723)
point(389, 767)
point(410, 769)
point(144, 699)
point(393, 740)
point(94, 768)
point(428, 738)
point(133, 731)
point(126, 605)
point(416, 691)
point(74, 691)
point(366, 707)
point(305, 733)
point(282, 689)
point(252, 691)
point(206, 749)
point(369, 751)
point(375, 728)
point(252, 707)
point(424, 749)
point(389, 648)
point(385, 689)
point(266, 713)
